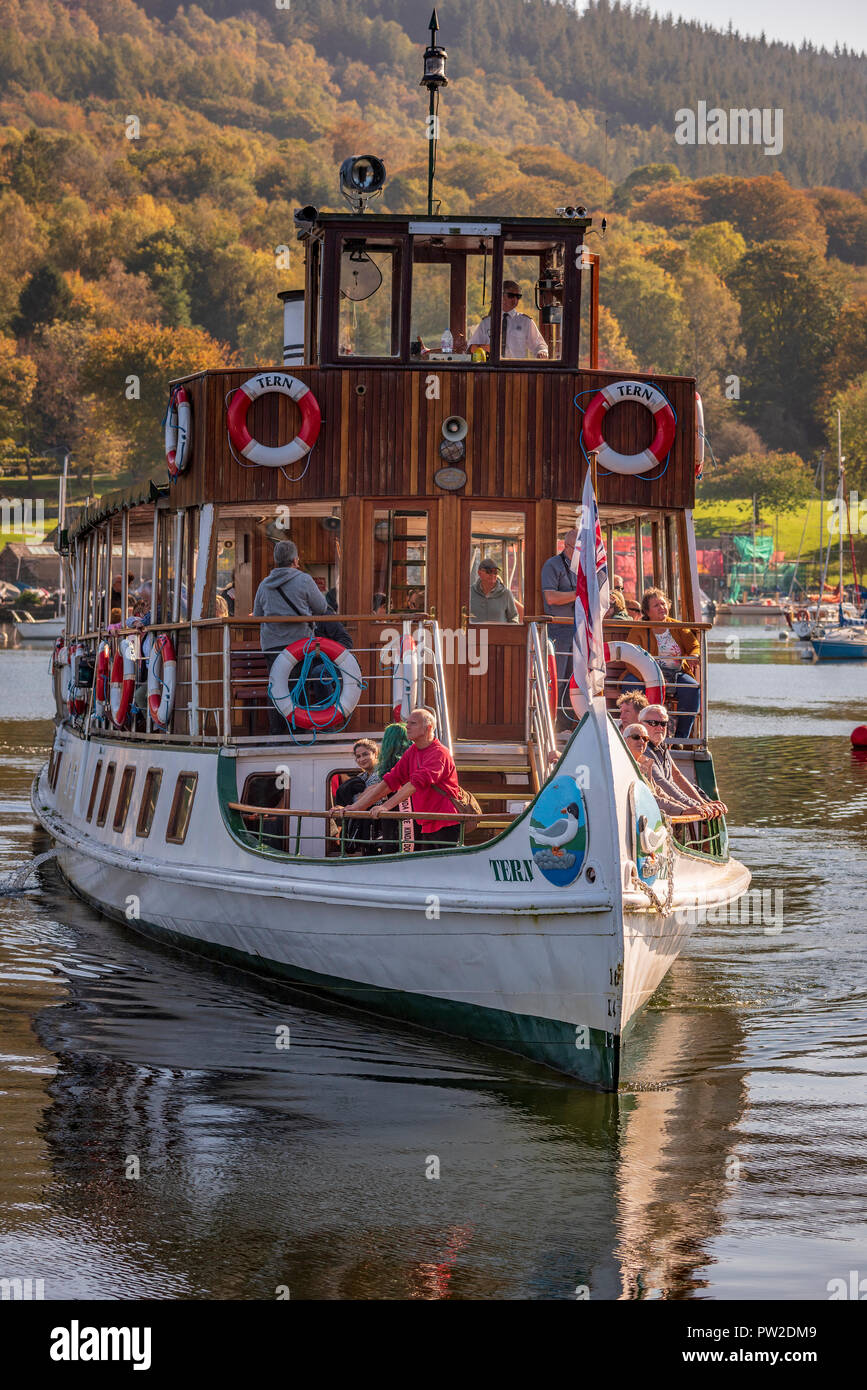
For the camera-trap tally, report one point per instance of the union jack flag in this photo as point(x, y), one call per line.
point(590, 564)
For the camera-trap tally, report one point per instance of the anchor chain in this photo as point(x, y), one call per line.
point(661, 907)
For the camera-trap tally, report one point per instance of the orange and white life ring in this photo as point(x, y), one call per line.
point(652, 400)
point(645, 666)
point(297, 391)
point(280, 685)
point(122, 686)
point(179, 432)
point(162, 679)
point(699, 438)
point(101, 680)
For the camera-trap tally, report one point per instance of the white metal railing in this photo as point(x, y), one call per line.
point(541, 736)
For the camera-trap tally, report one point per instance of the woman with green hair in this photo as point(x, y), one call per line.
point(395, 742)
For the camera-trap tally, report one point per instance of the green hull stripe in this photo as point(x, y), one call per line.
point(542, 1040)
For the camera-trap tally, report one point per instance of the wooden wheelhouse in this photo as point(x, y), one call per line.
point(428, 461)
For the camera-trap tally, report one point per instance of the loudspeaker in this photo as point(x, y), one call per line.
point(454, 427)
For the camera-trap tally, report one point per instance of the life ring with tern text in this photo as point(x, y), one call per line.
point(652, 400)
point(286, 385)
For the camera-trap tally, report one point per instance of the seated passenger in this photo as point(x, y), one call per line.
point(617, 608)
point(519, 337)
point(427, 775)
point(630, 705)
point(670, 802)
point(675, 648)
point(360, 835)
point(655, 720)
point(490, 600)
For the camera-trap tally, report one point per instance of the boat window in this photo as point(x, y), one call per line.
point(123, 798)
point(182, 806)
point(268, 791)
point(496, 594)
point(400, 561)
point(54, 768)
point(533, 283)
point(451, 293)
point(93, 788)
point(369, 305)
point(149, 798)
point(107, 786)
point(622, 564)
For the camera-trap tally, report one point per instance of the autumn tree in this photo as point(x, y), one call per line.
point(780, 482)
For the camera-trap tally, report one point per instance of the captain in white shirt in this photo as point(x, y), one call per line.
point(519, 337)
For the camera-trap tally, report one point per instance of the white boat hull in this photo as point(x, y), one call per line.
point(475, 942)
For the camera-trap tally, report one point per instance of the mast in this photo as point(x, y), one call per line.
point(434, 78)
point(840, 509)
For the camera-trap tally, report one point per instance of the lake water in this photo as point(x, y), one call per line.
point(730, 1164)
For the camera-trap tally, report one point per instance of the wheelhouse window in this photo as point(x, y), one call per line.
point(182, 808)
point(400, 582)
point(534, 278)
point(497, 567)
point(124, 795)
point(149, 797)
point(451, 294)
point(369, 304)
point(104, 800)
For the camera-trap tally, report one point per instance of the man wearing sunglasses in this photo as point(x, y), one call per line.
point(519, 337)
point(654, 719)
point(669, 796)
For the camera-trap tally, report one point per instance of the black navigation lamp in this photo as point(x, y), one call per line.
point(434, 78)
point(304, 220)
point(362, 177)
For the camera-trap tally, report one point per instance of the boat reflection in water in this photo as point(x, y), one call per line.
point(313, 1168)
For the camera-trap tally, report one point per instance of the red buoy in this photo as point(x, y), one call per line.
point(859, 736)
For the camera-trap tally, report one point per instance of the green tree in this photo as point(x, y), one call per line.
point(852, 404)
point(779, 482)
point(789, 306)
point(647, 304)
point(44, 298)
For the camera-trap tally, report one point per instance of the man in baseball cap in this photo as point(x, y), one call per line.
point(490, 600)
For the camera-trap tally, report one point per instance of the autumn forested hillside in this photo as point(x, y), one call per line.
point(151, 156)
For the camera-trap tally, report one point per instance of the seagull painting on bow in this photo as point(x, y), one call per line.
point(562, 831)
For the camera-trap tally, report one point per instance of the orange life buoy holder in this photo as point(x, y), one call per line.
point(286, 385)
point(654, 401)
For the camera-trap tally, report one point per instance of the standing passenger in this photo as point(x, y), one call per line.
point(558, 593)
point(286, 592)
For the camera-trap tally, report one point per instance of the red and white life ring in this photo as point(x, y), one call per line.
point(638, 660)
point(162, 679)
point(122, 686)
point(297, 391)
point(652, 400)
point(553, 685)
point(179, 431)
point(351, 684)
point(699, 438)
point(101, 680)
point(404, 685)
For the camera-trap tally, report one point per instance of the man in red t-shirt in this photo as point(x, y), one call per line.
point(427, 773)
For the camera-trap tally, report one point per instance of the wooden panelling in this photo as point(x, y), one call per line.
point(523, 439)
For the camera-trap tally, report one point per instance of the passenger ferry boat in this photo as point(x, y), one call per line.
point(397, 455)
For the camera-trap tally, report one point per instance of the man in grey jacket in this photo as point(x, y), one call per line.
point(490, 600)
point(286, 591)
